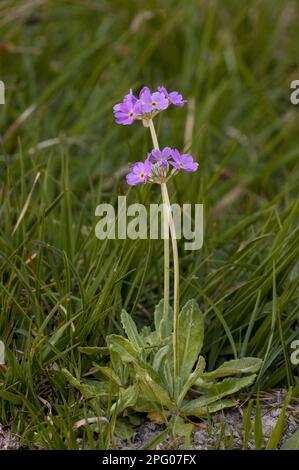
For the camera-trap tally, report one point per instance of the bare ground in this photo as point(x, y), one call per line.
point(7, 440)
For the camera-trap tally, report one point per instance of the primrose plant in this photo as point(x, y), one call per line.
point(158, 167)
point(160, 370)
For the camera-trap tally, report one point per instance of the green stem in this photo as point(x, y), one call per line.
point(176, 288)
point(169, 223)
point(165, 235)
point(153, 134)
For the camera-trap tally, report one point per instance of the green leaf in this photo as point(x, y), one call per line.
point(247, 420)
point(118, 365)
point(10, 397)
point(190, 338)
point(292, 443)
point(156, 440)
point(220, 390)
point(159, 357)
point(167, 375)
point(183, 430)
point(59, 333)
point(144, 405)
point(278, 430)
point(200, 366)
point(152, 390)
point(246, 365)
point(258, 427)
point(194, 409)
point(131, 330)
point(123, 348)
point(128, 354)
point(127, 398)
point(152, 338)
point(93, 350)
point(110, 375)
point(90, 389)
point(163, 326)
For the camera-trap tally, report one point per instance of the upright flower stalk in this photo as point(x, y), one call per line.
point(159, 167)
point(168, 223)
point(165, 230)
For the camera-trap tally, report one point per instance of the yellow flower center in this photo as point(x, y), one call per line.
point(182, 164)
point(142, 175)
point(154, 103)
point(131, 114)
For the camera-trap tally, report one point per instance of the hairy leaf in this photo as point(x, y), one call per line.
point(246, 365)
point(89, 389)
point(123, 348)
point(131, 330)
point(293, 442)
point(152, 390)
point(194, 409)
point(127, 398)
point(192, 378)
point(163, 326)
point(220, 390)
point(190, 338)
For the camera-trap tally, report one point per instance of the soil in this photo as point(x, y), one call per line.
point(7, 440)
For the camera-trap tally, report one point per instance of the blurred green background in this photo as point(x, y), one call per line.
point(64, 65)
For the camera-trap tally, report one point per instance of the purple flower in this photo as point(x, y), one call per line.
point(126, 112)
point(139, 172)
point(174, 97)
point(147, 106)
point(152, 101)
point(161, 156)
point(183, 162)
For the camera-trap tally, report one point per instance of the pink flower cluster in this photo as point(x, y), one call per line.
point(146, 106)
point(156, 168)
point(159, 165)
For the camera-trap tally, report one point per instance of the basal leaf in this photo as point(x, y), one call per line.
point(200, 366)
point(110, 375)
point(144, 371)
point(156, 440)
point(94, 350)
point(190, 338)
point(220, 390)
point(131, 330)
point(123, 348)
point(159, 357)
point(194, 409)
point(152, 390)
point(183, 430)
point(163, 326)
point(89, 389)
point(168, 375)
point(245, 365)
point(127, 398)
point(292, 443)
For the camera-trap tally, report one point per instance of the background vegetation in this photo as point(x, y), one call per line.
point(64, 65)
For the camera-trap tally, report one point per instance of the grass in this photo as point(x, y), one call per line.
point(64, 65)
